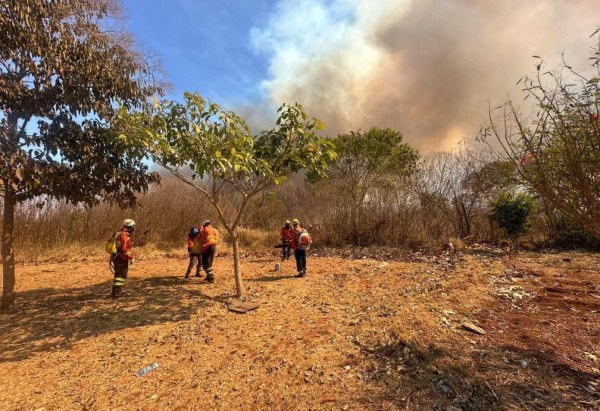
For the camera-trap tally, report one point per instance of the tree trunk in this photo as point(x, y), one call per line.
point(239, 288)
point(8, 257)
point(516, 243)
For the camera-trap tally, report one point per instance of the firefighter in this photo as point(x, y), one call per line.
point(194, 247)
point(300, 243)
point(209, 240)
point(122, 257)
point(286, 239)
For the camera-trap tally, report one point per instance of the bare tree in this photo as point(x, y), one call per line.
point(556, 148)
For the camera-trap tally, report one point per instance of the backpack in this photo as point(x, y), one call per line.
point(304, 240)
point(111, 244)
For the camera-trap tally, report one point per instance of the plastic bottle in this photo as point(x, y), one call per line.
point(147, 369)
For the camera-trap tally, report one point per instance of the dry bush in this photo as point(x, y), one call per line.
point(405, 213)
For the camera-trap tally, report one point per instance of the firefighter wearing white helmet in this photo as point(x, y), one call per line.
point(122, 256)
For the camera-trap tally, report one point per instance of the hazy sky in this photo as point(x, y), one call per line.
point(425, 67)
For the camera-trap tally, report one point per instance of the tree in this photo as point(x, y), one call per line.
point(556, 149)
point(367, 159)
point(512, 213)
point(63, 66)
point(222, 155)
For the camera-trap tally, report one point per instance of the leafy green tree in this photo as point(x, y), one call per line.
point(512, 213)
point(224, 158)
point(63, 66)
point(366, 159)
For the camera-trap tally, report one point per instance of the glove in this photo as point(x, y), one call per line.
point(189, 250)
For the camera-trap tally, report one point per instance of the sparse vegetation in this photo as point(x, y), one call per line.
point(411, 299)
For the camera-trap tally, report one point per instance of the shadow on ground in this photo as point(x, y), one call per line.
point(413, 377)
point(49, 318)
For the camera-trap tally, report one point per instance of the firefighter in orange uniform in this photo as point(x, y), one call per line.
point(123, 256)
point(209, 240)
point(286, 239)
point(194, 247)
point(300, 243)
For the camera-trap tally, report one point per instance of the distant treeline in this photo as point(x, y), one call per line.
point(447, 196)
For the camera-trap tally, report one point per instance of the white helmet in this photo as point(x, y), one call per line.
point(128, 223)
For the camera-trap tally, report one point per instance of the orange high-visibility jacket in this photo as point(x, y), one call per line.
point(123, 241)
point(287, 233)
point(210, 236)
point(296, 234)
point(195, 244)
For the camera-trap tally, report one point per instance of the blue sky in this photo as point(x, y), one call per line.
point(428, 68)
point(205, 45)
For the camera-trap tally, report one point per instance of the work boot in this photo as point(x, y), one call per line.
point(116, 292)
point(198, 274)
point(300, 274)
point(210, 279)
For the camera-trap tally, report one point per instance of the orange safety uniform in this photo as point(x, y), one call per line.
point(209, 237)
point(287, 233)
point(195, 244)
point(123, 242)
point(295, 236)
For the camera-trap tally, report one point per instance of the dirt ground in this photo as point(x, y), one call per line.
point(354, 334)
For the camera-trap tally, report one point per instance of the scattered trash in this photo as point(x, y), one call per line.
point(277, 267)
point(445, 321)
point(472, 328)
point(567, 260)
point(513, 292)
point(444, 387)
point(147, 370)
point(383, 265)
point(448, 313)
point(242, 308)
point(524, 363)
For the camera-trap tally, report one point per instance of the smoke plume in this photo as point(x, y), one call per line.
point(425, 67)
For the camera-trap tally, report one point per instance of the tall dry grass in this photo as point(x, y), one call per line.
point(412, 212)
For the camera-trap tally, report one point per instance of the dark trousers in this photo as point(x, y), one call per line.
point(195, 259)
point(208, 257)
point(300, 256)
point(285, 252)
point(121, 267)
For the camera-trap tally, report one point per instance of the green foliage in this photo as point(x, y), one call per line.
point(216, 145)
point(64, 64)
point(570, 235)
point(496, 177)
point(366, 160)
point(375, 153)
point(57, 66)
point(512, 212)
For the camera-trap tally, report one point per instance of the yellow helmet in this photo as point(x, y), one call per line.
point(295, 221)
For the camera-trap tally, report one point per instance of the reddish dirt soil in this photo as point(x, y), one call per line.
point(353, 334)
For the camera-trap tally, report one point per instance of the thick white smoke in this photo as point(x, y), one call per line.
point(424, 67)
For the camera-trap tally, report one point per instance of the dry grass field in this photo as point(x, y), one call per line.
point(377, 334)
